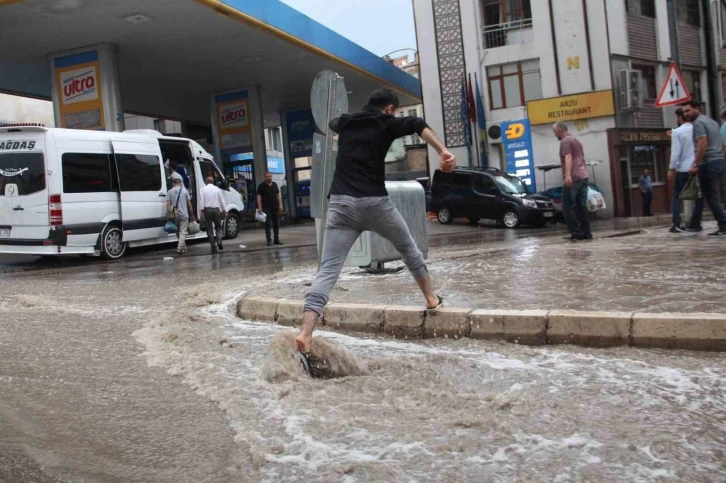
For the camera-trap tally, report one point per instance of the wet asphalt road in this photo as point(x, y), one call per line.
point(85, 398)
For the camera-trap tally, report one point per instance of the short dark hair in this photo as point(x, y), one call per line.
point(693, 103)
point(679, 112)
point(383, 98)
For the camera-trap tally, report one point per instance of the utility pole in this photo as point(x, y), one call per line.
point(673, 30)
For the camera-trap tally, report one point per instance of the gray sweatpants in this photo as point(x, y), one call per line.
point(348, 217)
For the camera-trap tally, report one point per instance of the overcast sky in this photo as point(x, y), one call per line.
point(380, 26)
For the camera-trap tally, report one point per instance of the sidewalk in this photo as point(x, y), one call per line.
point(652, 271)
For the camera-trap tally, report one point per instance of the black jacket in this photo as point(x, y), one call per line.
point(364, 139)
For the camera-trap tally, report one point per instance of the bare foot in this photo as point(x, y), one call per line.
point(304, 341)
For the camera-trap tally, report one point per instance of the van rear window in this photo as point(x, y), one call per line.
point(88, 173)
point(24, 170)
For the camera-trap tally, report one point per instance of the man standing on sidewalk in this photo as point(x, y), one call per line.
point(178, 199)
point(645, 183)
point(723, 138)
point(574, 194)
point(269, 202)
point(212, 208)
point(682, 155)
point(359, 200)
point(708, 164)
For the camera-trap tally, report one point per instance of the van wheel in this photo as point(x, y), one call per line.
point(445, 216)
point(231, 226)
point(112, 244)
point(510, 219)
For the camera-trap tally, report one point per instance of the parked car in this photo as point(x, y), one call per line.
point(487, 193)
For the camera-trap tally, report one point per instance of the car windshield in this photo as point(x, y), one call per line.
point(511, 185)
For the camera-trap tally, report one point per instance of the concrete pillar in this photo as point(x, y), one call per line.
point(238, 127)
point(86, 90)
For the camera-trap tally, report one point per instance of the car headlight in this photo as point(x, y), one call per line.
point(530, 203)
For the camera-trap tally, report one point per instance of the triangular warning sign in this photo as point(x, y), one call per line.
point(674, 90)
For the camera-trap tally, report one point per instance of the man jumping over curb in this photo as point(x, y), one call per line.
point(359, 200)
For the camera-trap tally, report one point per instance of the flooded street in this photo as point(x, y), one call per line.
point(142, 372)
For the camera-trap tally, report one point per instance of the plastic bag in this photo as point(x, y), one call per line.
point(193, 228)
point(261, 217)
point(692, 189)
point(595, 200)
point(170, 227)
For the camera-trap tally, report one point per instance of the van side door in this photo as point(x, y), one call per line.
point(486, 202)
point(143, 189)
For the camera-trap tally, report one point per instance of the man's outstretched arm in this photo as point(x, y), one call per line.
point(447, 161)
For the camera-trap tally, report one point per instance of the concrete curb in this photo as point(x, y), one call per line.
point(704, 332)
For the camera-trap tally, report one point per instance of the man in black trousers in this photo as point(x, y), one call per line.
point(269, 202)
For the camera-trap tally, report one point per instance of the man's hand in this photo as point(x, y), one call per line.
point(694, 169)
point(259, 211)
point(447, 162)
point(568, 181)
point(671, 175)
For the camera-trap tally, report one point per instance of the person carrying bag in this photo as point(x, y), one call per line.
point(181, 211)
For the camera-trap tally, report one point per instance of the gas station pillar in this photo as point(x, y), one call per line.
point(238, 127)
point(86, 90)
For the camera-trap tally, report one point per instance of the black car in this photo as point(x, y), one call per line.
point(487, 193)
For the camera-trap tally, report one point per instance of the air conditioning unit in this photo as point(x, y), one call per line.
point(494, 133)
point(631, 89)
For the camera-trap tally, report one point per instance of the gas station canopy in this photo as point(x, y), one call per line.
point(173, 54)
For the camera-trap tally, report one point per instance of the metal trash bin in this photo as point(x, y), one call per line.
point(371, 249)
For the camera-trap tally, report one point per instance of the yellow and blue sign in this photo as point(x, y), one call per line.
point(233, 122)
point(518, 153)
point(78, 81)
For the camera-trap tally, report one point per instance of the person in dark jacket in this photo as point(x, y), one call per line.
point(359, 200)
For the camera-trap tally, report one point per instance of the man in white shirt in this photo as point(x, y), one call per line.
point(682, 157)
point(212, 208)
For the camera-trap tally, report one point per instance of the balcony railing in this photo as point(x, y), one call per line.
point(508, 33)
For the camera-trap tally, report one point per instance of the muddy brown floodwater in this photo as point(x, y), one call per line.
point(144, 373)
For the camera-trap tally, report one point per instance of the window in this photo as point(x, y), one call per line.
point(461, 181)
point(692, 78)
point(723, 23)
point(88, 173)
point(413, 112)
point(139, 172)
point(484, 184)
point(502, 11)
point(723, 88)
point(652, 158)
point(25, 170)
point(512, 85)
point(210, 169)
point(688, 12)
point(646, 8)
point(648, 73)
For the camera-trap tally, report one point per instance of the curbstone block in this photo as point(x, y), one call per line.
point(448, 323)
point(596, 329)
point(519, 326)
point(355, 317)
point(290, 312)
point(403, 322)
point(706, 332)
point(257, 308)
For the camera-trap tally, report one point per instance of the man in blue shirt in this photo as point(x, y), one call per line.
point(723, 138)
point(645, 183)
point(682, 156)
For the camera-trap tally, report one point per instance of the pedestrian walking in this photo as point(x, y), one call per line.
point(682, 156)
point(708, 165)
point(359, 200)
point(645, 183)
point(212, 209)
point(723, 175)
point(178, 199)
point(574, 175)
point(269, 202)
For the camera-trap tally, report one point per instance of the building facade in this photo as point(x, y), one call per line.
point(596, 64)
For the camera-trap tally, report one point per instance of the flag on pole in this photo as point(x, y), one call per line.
point(465, 117)
point(482, 122)
point(471, 103)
